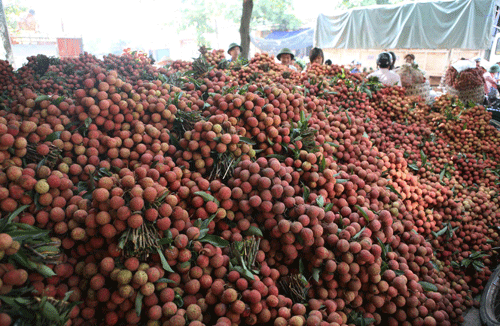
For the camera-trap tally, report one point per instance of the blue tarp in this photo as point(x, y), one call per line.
point(294, 40)
point(277, 35)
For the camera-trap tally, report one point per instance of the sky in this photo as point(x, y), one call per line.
point(99, 16)
point(101, 23)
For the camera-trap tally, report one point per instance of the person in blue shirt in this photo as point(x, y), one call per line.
point(234, 51)
point(357, 67)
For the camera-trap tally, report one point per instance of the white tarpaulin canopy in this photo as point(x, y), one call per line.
point(461, 24)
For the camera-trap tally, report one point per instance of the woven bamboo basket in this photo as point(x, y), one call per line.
point(475, 95)
point(423, 90)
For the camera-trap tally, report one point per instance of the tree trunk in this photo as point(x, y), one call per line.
point(4, 31)
point(246, 16)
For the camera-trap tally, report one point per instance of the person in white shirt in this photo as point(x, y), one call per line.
point(384, 75)
point(286, 56)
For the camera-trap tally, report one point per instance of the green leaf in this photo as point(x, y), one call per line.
point(164, 262)
point(357, 235)
point(436, 267)
point(42, 98)
point(7, 220)
point(248, 275)
point(21, 235)
point(320, 201)
point(247, 140)
point(206, 222)
point(315, 274)
point(215, 240)
point(391, 188)
point(306, 193)
point(428, 287)
point(58, 100)
point(167, 239)
point(341, 180)
point(413, 166)
point(441, 175)
point(442, 231)
point(44, 270)
point(87, 123)
point(53, 136)
point(179, 302)
point(322, 164)
point(138, 303)
point(328, 207)
point(50, 312)
point(365, 321)
point(253, 230)
point(67, 295)
point(333, 144)
point(21, 258)
point(301, 266)
point(207, 197)
point(423, 157)
point(244, 272)
point(362, 211)
point(165, 280)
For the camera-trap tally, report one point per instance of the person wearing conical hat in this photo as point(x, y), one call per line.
point(286, 57)
point(234, 51)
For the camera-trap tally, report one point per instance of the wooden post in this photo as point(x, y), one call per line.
point(4, 31)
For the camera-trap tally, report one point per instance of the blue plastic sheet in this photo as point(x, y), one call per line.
point(294, 40)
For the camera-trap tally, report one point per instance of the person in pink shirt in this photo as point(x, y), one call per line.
point(490, 82)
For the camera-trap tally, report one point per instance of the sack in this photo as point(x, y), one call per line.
point(462, 65)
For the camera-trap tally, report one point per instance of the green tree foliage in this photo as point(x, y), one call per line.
point(14, 10)
point(276, 14)
point(273, 14)
point(200, 15)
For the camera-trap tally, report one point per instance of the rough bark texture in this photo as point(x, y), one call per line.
point(246, 16)
point(5, 36)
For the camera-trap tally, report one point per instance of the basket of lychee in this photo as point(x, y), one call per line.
point(467, 84)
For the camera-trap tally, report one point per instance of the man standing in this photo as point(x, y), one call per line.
point(286, 56)
point(234, 51)
point(384, 75)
